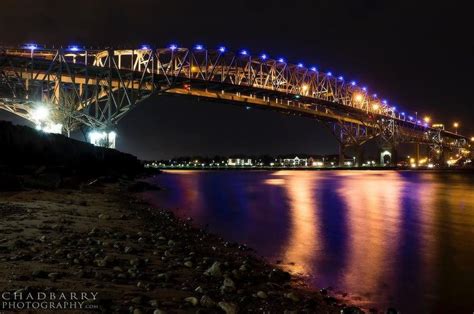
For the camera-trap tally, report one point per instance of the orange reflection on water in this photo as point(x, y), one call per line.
point(373, 205)
point(302, 244)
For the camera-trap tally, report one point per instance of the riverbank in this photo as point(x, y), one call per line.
point(101, 239)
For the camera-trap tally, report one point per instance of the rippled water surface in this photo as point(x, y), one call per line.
point(403, 239)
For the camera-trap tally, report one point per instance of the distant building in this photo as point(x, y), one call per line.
point(239, 162)
point(295, 162)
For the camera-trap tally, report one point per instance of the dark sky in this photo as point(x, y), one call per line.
point(419, 56)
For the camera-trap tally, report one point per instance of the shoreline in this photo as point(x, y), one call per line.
point(139, 259)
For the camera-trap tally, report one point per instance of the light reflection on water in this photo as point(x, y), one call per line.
point(403, 239)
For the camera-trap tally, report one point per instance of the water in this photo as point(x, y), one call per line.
point(403, 239)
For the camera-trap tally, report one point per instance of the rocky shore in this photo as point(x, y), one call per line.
point(102, 239)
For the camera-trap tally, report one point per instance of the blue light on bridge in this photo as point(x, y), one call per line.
point(314, 69)
point(244, 52)
point(31, 46)
point(364, 89)
point(410, 118)
point(329, 73)
point(394, 108)
point(145, 47)
point(402, 113)
point(281, 60)
point(73, 48)
point(419, 121)
point(173, 47)
point(198, 47)
point(222, 49)
point(384, 102)
point(374, 95)
point(340, 78)
point(264, 57)
point(300, 65)
point(353, 83)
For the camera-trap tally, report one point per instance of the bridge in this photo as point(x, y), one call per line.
point(62, 89)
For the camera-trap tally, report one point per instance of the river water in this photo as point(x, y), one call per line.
point(388, 238)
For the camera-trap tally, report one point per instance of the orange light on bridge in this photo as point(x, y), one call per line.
point(304, 88)
point(375, 106)
point(472, 139)
point(358, 97)
point(427, 119)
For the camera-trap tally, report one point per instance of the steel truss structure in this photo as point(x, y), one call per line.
point(97, 88)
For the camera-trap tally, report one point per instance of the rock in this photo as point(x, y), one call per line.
point(153, 303)
point(351, 310)
point(137, 311)
point(193, 300)
point(104, 217)
point(227, 307)
point(278, 275)
point(158, 311)
point(199, 289)
point(40, 274)
point(188, 264)
point(214, 270)
point(137, 300)
point(206, 301)
point(262, 295)
point(228, 285)
point(54, 275)
point(292, 296)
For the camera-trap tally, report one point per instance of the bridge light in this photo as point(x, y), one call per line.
point(222, 49)
point(31, 46)
point(304, 88)
point(364, 89)
point(419, 122)
point(145, 47)
point(173, 47)
point(410, 118)
point(427, 119)
point(374, 95)
point(353, 83)
point(329, 74)
point(314, 69)
point(340, 78)
point(472, 139)
point(394, 108)
point(73, 48)
point(456, 124)
point(375, 106)
point(40, 113)
point(281, 60)
point(198, 47)
point(300, 65)
point(402, 113)
point(244, 52)
point(358, 97)
point(263, 57)
point(384, 102)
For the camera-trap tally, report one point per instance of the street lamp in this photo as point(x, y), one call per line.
point(456, 126)
point(427, 119)
point(472, 139)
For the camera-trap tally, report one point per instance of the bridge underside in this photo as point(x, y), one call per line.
point(100, 92)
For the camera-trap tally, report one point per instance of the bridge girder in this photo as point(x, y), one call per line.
point(98, 87)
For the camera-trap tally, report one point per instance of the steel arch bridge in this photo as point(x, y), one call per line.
point(97, 87)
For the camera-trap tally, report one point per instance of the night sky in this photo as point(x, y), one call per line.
point(419, 57)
